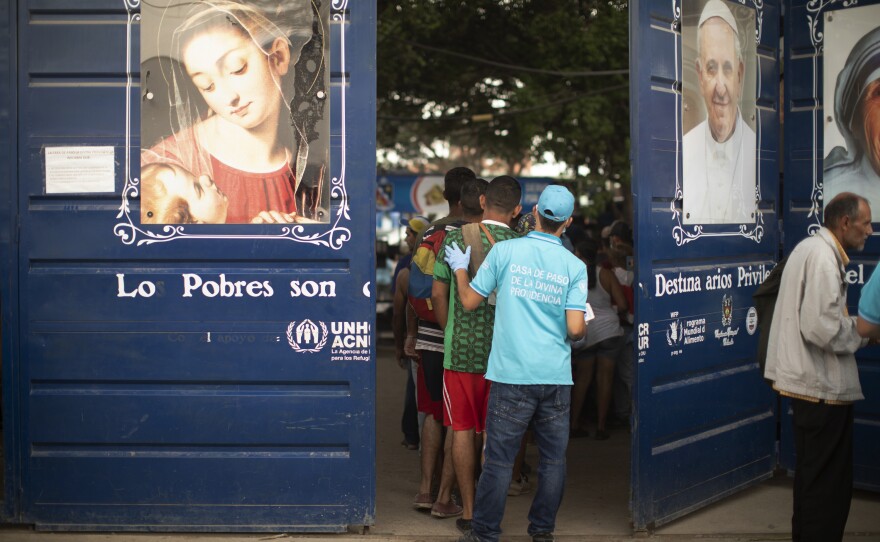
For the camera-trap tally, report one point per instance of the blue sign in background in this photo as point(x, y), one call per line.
point(395, 192)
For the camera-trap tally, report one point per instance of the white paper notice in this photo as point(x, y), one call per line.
point(588, 315)
point(71, 170)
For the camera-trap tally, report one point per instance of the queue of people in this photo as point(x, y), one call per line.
point(493, 314)
point(480, 388)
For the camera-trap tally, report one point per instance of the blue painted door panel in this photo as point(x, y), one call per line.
point(705, 421)
point(201, 406)
point(9, 253)
point(805, 118)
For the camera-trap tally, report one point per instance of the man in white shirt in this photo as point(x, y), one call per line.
point(811, 360)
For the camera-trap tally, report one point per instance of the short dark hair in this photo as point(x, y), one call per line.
point(843, 204)
point(470, 196)
point(621, 229)
point(504, 194)
point(454, 180)
point(548, 225)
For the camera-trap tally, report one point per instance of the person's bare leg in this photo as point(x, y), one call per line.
point(447, 474)
point(604, 383)
point(464, 462)
point(432, 433)
point(582, 380)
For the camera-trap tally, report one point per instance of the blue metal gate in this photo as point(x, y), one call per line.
point(808, 114)
point(178, 377)
point(705, 422)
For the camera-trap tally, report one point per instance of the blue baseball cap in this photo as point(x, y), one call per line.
point(556, 203)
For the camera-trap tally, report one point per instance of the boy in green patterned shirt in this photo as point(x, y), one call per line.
point(468, 335)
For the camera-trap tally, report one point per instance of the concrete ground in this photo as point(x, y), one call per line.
point(595, 507)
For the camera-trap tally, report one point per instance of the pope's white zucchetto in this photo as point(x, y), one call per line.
point(718, 8)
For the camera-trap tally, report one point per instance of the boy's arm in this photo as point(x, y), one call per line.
point(398, 314)
point(868, 321)
point(868, 329)
point(412, 329)
point(440, 302)
point(576, 302)
point(574, 322)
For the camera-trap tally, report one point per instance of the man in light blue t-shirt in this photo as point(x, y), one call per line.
point(541, 291)
point(868, 323)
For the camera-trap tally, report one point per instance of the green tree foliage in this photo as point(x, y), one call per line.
point(506, 79)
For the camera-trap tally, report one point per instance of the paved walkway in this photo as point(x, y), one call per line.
point(595, 507)
point(19, 535)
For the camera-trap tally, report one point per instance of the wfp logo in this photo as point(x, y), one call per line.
point(306, 337)
point(675, 333)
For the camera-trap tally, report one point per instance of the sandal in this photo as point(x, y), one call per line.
point(423, 501)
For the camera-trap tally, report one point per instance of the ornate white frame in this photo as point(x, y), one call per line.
point(679, 232)
point(333, 235)
point(817, 38)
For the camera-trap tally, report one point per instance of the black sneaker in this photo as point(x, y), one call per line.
point(469, 537)
point(463, 525)
point(543, 537)
point(518, 487)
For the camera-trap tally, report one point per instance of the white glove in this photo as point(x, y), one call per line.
point(456, 258)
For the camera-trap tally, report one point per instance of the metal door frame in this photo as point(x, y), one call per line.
point(9, 256)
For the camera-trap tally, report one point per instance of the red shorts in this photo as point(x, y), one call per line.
point(424, 403)
point(465, 400)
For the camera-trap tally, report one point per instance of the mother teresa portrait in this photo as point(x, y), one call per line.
point(852, 128)
point(718, 113)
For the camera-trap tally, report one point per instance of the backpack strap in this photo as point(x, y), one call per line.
point(488, 235)
point(473, 239)
point(470, 233)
